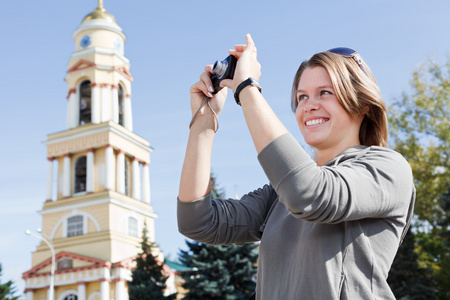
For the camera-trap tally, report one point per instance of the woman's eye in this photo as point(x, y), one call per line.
point(302, 97)
point(325, 92)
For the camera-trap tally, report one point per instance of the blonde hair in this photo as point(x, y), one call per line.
point(356, 90)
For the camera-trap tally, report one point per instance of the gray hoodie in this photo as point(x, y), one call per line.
point(328, 232)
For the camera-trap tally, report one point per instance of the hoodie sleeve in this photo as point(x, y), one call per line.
point(223, 222)
point(376, 183)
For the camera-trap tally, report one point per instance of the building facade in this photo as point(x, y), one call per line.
point(98, 185)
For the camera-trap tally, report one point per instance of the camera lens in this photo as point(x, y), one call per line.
point(220, 67)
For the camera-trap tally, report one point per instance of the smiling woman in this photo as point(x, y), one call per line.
point(329, 227)
point(324, 123)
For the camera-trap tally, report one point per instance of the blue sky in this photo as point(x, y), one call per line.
point(168, 44)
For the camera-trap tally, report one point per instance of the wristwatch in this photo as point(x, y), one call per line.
point(245, 83)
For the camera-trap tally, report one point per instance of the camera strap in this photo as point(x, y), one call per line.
point(216, 124)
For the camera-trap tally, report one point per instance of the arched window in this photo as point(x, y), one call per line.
point(132, 226)
point(85, 102)
point(75, 226)
point(121, 106)
point(80, 175)
point(71, 297)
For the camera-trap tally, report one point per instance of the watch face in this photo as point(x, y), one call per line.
point(85, 41)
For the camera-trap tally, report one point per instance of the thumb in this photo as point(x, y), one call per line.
point(226, 83)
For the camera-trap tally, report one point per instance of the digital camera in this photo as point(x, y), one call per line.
point(223, 70)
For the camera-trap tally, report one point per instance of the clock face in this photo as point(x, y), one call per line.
point(85, 41)
point(118, 44)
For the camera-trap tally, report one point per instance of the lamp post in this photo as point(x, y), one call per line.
point(52, 250)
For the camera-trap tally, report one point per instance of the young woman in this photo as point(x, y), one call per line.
point(330, 226)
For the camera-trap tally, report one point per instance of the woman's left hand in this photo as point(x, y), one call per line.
point(247, 65)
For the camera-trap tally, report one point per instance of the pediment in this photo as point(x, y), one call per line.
point(81, 65)
point(66, 262)
point(124, 71)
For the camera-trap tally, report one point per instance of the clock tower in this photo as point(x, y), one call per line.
point(98, 186)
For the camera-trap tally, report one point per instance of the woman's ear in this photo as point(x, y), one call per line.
point(366, 109)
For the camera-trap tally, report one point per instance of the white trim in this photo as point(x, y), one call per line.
point(110, 172)
point(97, 202)
point(90, 172)
point(100, 50)
point(93, 294)
point(75, 212)
point(105, 100)
point(67, 161)
point(98, 130)
point(123, 225)
point(136, 180)
point(99, 24)
point(120, 173)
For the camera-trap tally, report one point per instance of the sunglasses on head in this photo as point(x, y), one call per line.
point(347, 52)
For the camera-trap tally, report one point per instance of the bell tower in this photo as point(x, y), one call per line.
point(98, 185)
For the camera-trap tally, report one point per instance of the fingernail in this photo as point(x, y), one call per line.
point(210, 95)
point(211, 88)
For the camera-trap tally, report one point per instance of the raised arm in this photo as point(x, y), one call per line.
point(262, 122)
point(195, 175)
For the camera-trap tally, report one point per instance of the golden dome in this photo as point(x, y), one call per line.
point(100, 13)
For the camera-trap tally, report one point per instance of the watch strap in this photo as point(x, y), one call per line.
point(244, 84)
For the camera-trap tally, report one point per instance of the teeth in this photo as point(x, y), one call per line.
point(315, 122)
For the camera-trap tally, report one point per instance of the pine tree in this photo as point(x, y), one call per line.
point(149, 280)
point(219, 272)
point(407, 280)
point(6, 289)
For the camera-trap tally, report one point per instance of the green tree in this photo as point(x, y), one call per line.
point(148, 278)
point(7, 290)
point(219, 272)
point(407, 279)
point(420, 128)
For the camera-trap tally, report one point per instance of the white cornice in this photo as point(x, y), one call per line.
point(97, 202)
point(100, 50)
point(95, 131)
point(99, 24)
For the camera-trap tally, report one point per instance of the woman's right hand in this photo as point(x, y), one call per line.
point(204, 88)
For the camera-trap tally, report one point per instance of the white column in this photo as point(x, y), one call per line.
point(109, 168)
point(90, 183)
point(120, 289)
point(115, 103)
point(145, 183)
point(29, 294)
point(66, 175)
point(106, 102)
point(95, 103)
point(73, 113)
point(120, 172)
point(49, 179)
point(49, 294)
point(104, 289)
point(136, 180)
point(81, 291)
point(128, 115)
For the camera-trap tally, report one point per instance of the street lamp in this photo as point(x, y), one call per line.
point(52, 250)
